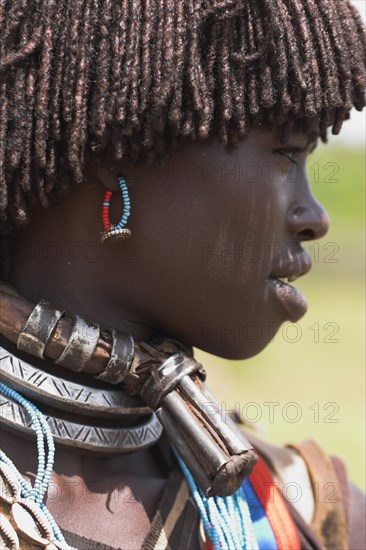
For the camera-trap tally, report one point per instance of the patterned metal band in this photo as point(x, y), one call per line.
point(81, 345)
point(167, 377)
point(89, 399)
point(120, 360)
point(39, 328)
point(85, 438)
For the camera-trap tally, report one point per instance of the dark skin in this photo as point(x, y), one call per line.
point(179, 275)
point(204, 243)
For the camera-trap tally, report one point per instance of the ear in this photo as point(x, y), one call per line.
point(104, 168)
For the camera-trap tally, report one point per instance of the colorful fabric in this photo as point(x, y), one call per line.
point(262, 527)
point(271, 521)
point(275, 508)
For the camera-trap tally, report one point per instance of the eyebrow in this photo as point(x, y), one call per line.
point(313, 143)
point(304, 141)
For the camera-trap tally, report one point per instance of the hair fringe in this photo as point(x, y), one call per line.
point(137, 76)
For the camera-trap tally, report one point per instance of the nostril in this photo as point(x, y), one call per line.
point(307, 235)
point(308, 222)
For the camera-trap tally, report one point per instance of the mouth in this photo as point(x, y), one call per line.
point(290, 298)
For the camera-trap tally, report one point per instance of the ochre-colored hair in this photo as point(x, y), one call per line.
point(137, 76)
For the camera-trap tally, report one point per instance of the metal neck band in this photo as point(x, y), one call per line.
point(163, 373)
point(102, 411)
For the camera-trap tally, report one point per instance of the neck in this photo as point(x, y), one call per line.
point(68, 266)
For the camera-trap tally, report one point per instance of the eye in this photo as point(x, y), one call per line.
point(290, 153)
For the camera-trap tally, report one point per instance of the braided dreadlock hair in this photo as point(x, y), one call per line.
point(137, 76)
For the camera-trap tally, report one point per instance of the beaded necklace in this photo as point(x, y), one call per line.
point(226, 520)
point(27, 497)
point(255, 517)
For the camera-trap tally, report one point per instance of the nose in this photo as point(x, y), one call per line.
point(308, 221)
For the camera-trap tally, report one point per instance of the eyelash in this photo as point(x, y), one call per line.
point(291, 151)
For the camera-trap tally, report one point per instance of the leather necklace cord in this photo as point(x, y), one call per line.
point(162, 372)
point(15, 311)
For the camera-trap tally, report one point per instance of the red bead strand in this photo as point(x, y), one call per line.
point(105, 210)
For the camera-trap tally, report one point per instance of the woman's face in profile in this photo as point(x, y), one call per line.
point(216, 235)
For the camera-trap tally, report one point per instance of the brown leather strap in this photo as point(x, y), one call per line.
point(341, 471)
point(329, 520)
point(54, 339)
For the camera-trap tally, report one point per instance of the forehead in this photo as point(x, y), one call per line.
point(263, 139)
point(300, 131)
point(185, 153)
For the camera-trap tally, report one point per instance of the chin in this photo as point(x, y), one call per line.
point(237, 348)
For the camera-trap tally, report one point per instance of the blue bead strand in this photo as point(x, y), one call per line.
point(227, 521)
point(32, 411)
point(45, 458)
point(126, 203)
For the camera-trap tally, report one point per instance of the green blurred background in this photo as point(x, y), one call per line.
point(319, 364)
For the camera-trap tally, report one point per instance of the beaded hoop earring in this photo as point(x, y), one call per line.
point(116, 232)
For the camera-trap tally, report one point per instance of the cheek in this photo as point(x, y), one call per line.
point(210, 238)
point(239, 248)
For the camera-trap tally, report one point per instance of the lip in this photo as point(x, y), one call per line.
point(292, 267)
point(290, 298)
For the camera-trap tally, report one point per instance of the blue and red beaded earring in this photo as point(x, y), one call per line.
point(119, 231)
